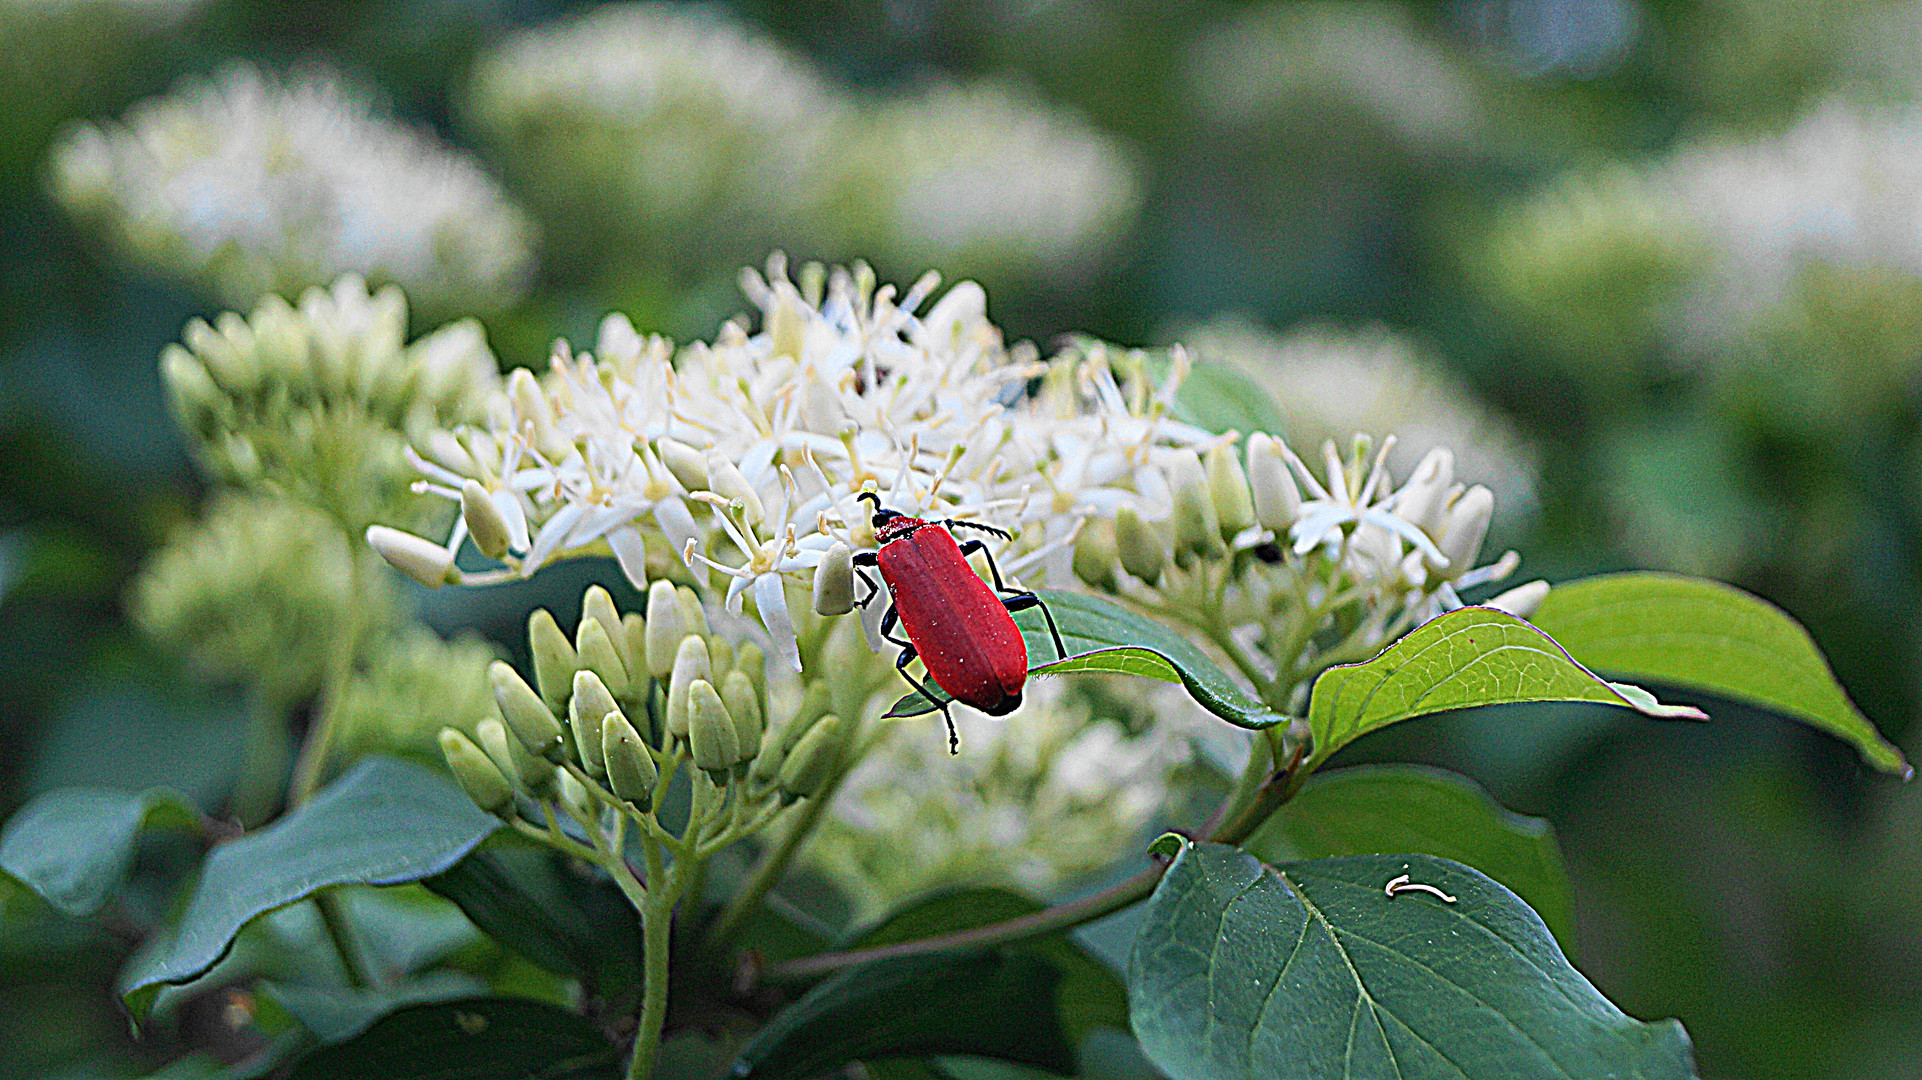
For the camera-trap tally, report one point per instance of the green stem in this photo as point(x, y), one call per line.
point(335, 923)
point(657, 915)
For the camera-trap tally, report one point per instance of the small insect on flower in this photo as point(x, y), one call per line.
point(962, 630)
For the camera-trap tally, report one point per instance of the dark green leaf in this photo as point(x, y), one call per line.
point(982, 1002)
point(1704, 635)
point(1089, 996)
point(383, 823)
point(1388, 809)
point(533, 901)
point(334, 1013)
point(1311, 970)
point(1105, 638)
point(473, 1039)
point(73, 846)
point(1220, 397)
point(1468, 657)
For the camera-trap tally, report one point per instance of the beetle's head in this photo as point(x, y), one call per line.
point(881, 516)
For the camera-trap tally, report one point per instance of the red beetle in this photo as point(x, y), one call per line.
point(961, 630)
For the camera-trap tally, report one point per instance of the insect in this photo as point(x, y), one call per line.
point(962, 630)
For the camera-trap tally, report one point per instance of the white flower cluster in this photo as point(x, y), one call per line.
point(250, 185)
point(673, 128)
point(1330, 383)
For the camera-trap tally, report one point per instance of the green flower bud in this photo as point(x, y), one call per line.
point(767, 764)
point(690, 663)
point(532, 774)
point(630, 768)
point(749, 661)
point(688, 465)
point(598, 603)
point(634, 652)
point(532, 721)
point(692, 612)
point(423, 560)
point(720, 654)
point(711, 730)
point(834, 581)
point(485, 522)
point(1197, 528)
point(1142, 551)
point(554, 658)
point(1276, 499)
point(817, 701)
point(591, 701)
point(574, 797)
point(478, 776)
point(1095, 555)
point(744, 705)
point(665, 628)
point(599, 654)
point(812, 762)
point(1228, 491)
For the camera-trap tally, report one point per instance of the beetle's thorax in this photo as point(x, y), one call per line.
point(898, 528)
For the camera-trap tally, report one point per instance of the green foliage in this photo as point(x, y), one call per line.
point(1703, 635)
point(383, 823)
point(1326, 974)
point(1388, 809)
point(73, 846)
point(1466, 658)
point(476, 1039)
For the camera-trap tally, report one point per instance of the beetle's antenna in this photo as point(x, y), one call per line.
point(989, 529)
point(873, 498)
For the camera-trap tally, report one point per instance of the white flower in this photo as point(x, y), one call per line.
point(250, 185)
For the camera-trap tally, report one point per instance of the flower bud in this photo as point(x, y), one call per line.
point(1094, 553)
point(634, 652)
point(1276, 499)
point(1197, 528)
point(834, 581)
point(691, 663)
point(1467, 526)
point(599, 654)
point(630, 768)
point(598, 603)
point(574, 797)
point(554, 658)
point(767, 764)
point(532, 774)
point(478, 776)
point(1228, 491)
point(812, 762)
point(726, 481)
point(485, 523)
point(1423, 498)
point(590, 703)
point(711, 735)
point(423, 560)
point(665, 628)
point(688, 465)
point(749, 661)
point(1142, 552)
point(692, 612)
point(816, 702)
point(744, 705)
point(526, 714)
point(1522, 600)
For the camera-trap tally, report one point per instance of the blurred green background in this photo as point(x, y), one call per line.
point(1660, 262)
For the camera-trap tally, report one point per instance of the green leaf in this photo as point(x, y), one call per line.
point(384, 823)
point(1311, 970)
point(981, 1002)
point(1389, 809)
point(989, 1003)
point(1105, 638)
point(533, 900)
point(1220, 397)
point(472, 1039)
point(1703, 635)
point(336, 1013)
point(1471, 656)
point(73, 846)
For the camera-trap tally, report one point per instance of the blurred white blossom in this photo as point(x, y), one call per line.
point(1331, 383)
point(249, 184)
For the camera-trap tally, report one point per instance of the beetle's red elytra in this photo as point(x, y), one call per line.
point(960, 628)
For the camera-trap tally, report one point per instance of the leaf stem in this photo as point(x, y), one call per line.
point(657, 915)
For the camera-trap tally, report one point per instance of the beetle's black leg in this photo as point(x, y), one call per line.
point(901, 662)
point(1018, 599)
